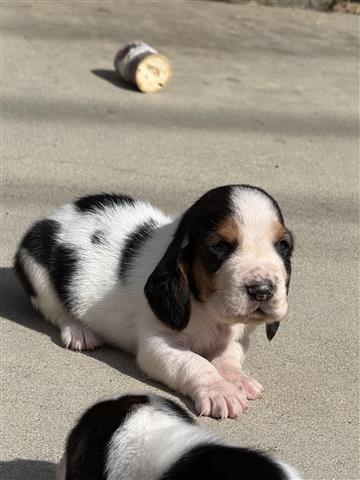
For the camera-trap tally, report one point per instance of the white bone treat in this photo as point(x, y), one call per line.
point(141, 65)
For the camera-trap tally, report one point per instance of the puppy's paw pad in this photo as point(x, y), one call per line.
point(79, 337)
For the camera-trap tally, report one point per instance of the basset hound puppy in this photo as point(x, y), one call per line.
point(181, 295)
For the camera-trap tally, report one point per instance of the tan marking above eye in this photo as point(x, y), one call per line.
point(229, 230)
point(278, 231)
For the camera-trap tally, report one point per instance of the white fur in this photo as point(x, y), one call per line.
point(153, 439)
point(255, 260)
point(292, 473)
point(150, 442)
point(204, 360)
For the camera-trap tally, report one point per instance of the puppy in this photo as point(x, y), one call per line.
point(182, 295)
point(141, 437)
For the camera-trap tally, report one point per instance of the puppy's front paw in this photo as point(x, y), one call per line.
point(252, 387)
point(77, 336)
point(220, 400)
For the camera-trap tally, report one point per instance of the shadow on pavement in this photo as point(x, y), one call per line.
point(112, 77)
point(21, 469)
point(16, 306)
point(169, 115)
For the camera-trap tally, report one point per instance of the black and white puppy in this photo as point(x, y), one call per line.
point(141, 437)
point(182, 295)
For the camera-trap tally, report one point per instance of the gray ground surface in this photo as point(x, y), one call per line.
point(260, 95)
point(317, 4)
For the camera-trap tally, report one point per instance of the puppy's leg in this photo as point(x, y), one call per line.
point(74, 334)
point(169, 361)
point(228, 363)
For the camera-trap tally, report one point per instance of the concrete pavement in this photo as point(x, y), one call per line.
point(260, 95)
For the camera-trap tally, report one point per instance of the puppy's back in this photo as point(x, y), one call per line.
point(150, 438)
point(85, 246)
point(87, 445)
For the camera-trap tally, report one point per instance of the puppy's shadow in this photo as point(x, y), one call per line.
point(15, 305)
point(21, 469)
point(114, 78)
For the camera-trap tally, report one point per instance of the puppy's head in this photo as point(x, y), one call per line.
point(232, 252)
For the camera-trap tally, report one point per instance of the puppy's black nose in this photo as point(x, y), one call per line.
point(261, 291)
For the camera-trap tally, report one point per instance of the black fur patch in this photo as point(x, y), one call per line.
point(92, 203)
point(98, 237)
point(168, 294)
point(58, 260)
point(205, 215)
point(87, 444)
point(175, 408)
point(64, 264)
point(215, 462)
point(23, 276)
point(40, 242)
point(285, 249)
point(133, 245)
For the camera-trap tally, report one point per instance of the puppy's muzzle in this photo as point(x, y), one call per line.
point(260, 290)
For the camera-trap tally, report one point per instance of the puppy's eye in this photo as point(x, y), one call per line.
point(221, 248)
point(283, 246)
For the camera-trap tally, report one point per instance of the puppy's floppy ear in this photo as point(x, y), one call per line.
point(271, 329)
point(167, 289)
